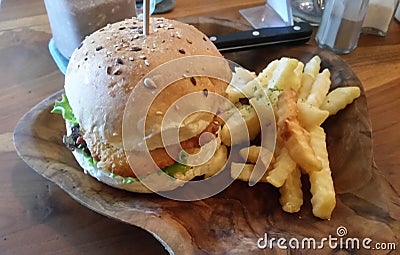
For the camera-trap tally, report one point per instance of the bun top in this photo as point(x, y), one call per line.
point(109, 63)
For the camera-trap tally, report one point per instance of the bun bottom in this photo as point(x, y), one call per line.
point(128, 184)
point(161, 182)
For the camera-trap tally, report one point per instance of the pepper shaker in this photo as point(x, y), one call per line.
point(341, 25)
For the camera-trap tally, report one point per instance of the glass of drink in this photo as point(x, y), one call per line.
point(308, 10)
point(139, 7)
point(274, 13)
point(72, 20)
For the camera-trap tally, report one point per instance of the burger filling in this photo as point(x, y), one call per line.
point(75, 141)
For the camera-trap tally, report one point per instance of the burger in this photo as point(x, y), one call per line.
point(102, 74)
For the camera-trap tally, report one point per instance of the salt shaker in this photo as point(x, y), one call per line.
point(379, 16)
point(341, 25)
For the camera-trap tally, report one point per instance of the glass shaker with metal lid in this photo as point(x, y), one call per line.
point(341, 25)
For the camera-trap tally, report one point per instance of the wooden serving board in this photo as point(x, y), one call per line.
point(233, 221)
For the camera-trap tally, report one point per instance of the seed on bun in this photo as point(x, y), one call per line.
point(101, 75)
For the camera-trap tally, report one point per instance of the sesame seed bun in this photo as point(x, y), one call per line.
point(104, 70)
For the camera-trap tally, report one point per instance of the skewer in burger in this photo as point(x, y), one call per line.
point(101, 75)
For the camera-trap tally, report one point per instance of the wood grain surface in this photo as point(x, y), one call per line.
point(37, 217)
point(234, 219)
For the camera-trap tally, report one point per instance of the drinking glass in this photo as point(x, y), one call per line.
point(308, 10)
point(278, 13)
point(274, 13)
point(139, 8)
point(72, 20)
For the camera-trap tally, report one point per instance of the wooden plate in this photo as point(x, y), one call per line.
point(233, 221)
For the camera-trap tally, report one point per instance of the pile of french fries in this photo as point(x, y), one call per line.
point(301, 101)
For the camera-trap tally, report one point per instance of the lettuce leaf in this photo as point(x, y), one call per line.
point(92, 162)
point(176, 168)
point(169, 170)
point(62, 107)
point(125, 180)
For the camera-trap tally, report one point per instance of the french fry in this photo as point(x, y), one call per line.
point(250, 154)
point(262, 159)
point(295, 137)
point(296, 140)
point(254, 153)
point(311, 69)
point(310, 116)
point(233, 126)
point(287, 107)
point(266, 117)
point(320, 88)
point(234, 94)
point(208, 169)
point(323, 192)
point(282, 167)
point(301, 103)
point(236, 91)
point(298, 73)
point(339, 98)
point(313, 66)
point(273, 98)
point(251, 119)
point(240, 79)
point(264, 77)
point(291, 198)
point(242, 75)
point(280, 74)
point(287, 74)
point(241, 171)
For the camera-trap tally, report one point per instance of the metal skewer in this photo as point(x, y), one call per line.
point(146, 17)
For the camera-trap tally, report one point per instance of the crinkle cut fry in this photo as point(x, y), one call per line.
point(295, 138)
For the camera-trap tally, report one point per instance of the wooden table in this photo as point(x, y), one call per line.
point(37, 217)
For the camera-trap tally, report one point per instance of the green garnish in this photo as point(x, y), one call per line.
point(62, 107)
point(183, 156)
point(125, 180)
point(176, 168)
point(92, 162)
point(274, 89)
point(128, 180)
point(169, 170)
